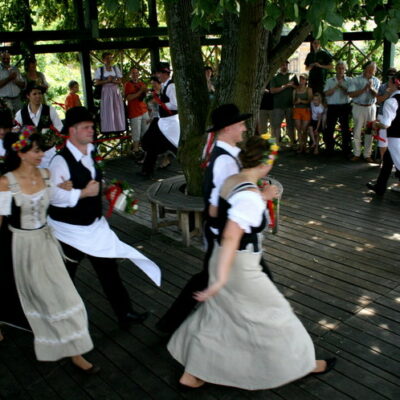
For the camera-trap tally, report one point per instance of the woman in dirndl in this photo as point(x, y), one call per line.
point(42, 297)
point(112, 112)
point(245, 334)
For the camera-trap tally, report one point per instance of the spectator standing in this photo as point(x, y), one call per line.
point(317, 111)
point(302, 96)
point(135, 92)
point(72, 100)
point(32, 75)
point(112, 112)
point(265, 110)
point(318, 62)
point(282, 85)
point(338, 100)
point(363, 90)
point(11, 83)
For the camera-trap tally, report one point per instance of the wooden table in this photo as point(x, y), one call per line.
point(168, 197)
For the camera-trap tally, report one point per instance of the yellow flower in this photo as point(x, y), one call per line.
point(266, 136)
point(270, 162)
point(274, 147)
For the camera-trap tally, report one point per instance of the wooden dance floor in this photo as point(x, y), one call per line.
point(336, 258)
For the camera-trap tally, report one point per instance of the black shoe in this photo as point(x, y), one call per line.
point(93, 370)
point(374, 188)
point(133, 318)
point(330, 364)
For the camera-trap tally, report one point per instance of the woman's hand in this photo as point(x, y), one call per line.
point(207, 293)
point(270, 192)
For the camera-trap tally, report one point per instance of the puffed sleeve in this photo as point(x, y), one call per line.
point(5, 203)
point(247, 209)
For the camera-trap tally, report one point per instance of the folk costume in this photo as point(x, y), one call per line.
point(223, 162)
point(164, 132)
point(51, 305)
point(391, 118)
point(45, 117)
point(246, 335)
point(78, 223)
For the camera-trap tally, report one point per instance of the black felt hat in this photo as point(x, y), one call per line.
point(225, 115)
point(163, 67)
point(74, 116)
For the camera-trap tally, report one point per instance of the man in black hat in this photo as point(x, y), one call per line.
point(229, 126)
point(76, 217)
point(164, 132)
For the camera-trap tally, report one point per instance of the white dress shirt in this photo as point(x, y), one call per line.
point(97, 239)
point(35, 117)
point(171, 93)
point(224, 167)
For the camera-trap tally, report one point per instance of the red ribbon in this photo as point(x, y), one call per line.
point(207, 150)
point(161, 103)
point(271, 210)
point(112, 193)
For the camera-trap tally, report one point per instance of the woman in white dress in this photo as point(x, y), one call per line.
point(112, 112)
point(54, 310)
point(245, 334)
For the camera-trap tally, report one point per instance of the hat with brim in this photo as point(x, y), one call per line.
point(74, 116)
point(225, 115)
point(163, 67)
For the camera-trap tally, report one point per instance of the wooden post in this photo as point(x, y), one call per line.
point(388, 55)
point(153, 22)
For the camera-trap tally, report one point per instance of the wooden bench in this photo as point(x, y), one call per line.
point(168, 197)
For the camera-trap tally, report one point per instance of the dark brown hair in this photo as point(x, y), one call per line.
point(253, 151)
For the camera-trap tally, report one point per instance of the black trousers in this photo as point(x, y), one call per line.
point(185, 303)
point(108, 274)
point(337, 112)
point(154, 143)
point(384, 173)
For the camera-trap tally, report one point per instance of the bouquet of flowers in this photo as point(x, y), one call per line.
point(51, 138)
point(272, 205)
point(121, 196)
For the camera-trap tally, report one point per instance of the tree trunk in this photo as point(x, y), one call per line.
point(191, 89)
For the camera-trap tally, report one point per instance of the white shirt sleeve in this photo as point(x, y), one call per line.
point(60, 173)
point(224, 167)
point(5, 203)
point(171, 93)
point(247, 209)
point(97, 74)
point(18, 117)
point(389, 111)
point(55, 119)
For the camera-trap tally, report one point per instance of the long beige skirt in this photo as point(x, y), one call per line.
point(247, 335)
point(52, 305)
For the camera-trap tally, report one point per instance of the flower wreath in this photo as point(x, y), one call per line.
point(23, 139)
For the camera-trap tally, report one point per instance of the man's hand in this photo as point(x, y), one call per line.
point(91, 189)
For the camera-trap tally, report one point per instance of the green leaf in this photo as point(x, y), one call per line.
point(133, 6)
point(269, 23)
point(111, 5)
point(334, 19)
point(332, 34)
point(390, 33)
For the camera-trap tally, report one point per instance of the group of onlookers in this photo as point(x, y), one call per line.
point(314, 105)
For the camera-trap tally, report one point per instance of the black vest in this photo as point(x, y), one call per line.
point(165, 99)
point(44, 120)
point(394, 128)
point(87, 209)
point(208, 184)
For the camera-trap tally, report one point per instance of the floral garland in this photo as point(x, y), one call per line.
point(270, 155)
point(121, 196)
point(23, 139)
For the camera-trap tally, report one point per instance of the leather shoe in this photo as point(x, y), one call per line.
point(355, 158)
point(133, 318)
point(330, 364)
point(369, 160)
point(93, 370)
point(373, 187)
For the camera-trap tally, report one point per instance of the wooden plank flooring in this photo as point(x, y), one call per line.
point(336, 258)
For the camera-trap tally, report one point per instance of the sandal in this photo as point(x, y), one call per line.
point(330, 364)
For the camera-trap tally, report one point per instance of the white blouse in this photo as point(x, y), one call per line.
point(247, 209)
